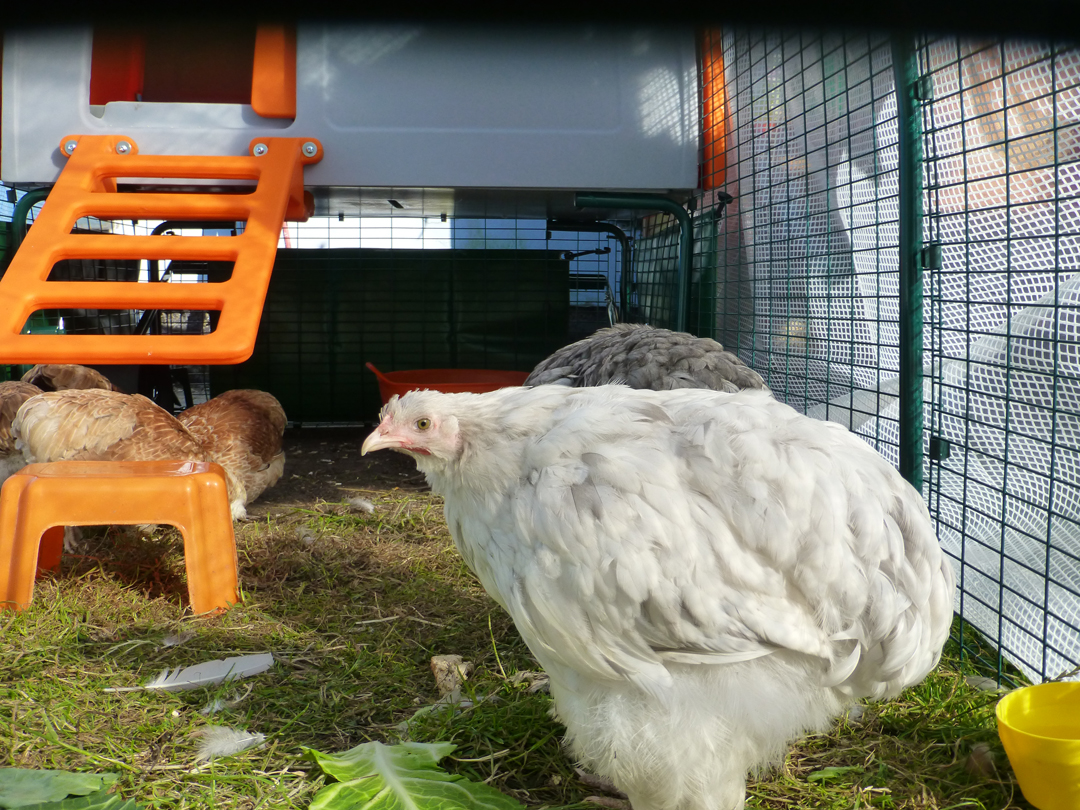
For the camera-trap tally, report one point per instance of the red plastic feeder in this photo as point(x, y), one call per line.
point(447, 380)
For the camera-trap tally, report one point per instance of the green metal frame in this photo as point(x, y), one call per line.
point(653, 202)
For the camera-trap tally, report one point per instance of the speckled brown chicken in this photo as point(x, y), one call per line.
point(98, 425)
point(13, 394)
point(242, 430)
point(65, 376)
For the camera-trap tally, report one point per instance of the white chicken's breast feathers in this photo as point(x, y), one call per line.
point(625, 529)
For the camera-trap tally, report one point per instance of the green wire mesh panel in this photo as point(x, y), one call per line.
point(805, 285)
point(806, 288)
point(1002, 147)
point(656, 268)
point(330, 311)
point(404, 292)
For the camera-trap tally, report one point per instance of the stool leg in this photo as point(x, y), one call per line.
point(210, 545)
point(51, 549)
point(18, 551)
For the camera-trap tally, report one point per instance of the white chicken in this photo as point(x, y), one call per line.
point(704, 576)
point(643, 356)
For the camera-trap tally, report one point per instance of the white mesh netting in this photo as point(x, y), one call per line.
point(1002, 155)
point(813, 167)
point(816, 160)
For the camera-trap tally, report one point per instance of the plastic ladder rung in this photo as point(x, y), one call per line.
point(87, 187)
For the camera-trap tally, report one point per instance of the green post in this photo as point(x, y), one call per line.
point(906, 77)
point(16, 229)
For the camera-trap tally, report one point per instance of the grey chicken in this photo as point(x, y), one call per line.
point(704, 576)
point(646, 357)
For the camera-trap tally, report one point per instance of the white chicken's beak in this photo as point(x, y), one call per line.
point(380, 439)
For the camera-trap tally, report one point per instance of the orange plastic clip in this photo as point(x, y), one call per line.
point(273, 81)
point(88, 187)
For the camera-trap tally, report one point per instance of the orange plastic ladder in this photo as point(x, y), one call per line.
point(87, 186)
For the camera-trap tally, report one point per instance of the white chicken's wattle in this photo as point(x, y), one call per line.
point(704, 576)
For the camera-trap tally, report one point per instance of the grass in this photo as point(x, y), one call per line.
point(353, 606)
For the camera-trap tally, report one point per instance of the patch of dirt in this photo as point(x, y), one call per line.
point(324, 464)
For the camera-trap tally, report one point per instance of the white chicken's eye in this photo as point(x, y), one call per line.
point(423, 424)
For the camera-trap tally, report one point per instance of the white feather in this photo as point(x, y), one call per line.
point(173, 639)
point(205, 674)
point(218, 704)
point(213, 707)
point(224, 741)
point(985, 684)
point(362, 504)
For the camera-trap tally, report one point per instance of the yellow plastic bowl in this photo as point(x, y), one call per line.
point(1040, 729)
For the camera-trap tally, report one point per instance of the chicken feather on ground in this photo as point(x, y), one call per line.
point(646, 357)
point(13, 393)
point(65, 376)
point(242, 429)
point(98, 425)
point(704, 576)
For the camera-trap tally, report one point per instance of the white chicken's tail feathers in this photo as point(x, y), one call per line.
point(842, 668)
point(891, 661)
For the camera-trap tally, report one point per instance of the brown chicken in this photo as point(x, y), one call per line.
point(64, 376)
point(13, 394)
point(242, 430)
point(98, 425)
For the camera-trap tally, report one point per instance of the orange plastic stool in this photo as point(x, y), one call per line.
point(190, 495)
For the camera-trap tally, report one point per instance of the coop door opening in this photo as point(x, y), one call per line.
point(195, 63)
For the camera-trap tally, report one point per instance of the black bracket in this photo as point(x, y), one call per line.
point(940, 449)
